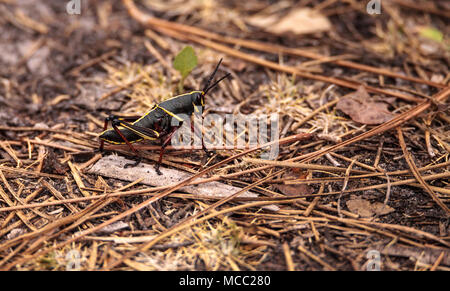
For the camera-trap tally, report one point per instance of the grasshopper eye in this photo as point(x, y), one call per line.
point(198, 98)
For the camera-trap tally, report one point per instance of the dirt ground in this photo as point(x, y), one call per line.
point(360, 181)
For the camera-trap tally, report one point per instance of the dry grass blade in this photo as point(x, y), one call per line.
point(270, 48)
point(437, 262)
point(283, 68)
point(45, 232)
point(397, 121)
point(288, 257)
point(317, 206)
point(59, 196)
point(195, 220)
point(164, 194)
point(344, 186)
point(77, 178)
point(315, 258)
point(416, 173)
point(76, 71)
point(301, 165)
point(121, 88)
point(29, 173)
point(420, 7)
point(6, 146)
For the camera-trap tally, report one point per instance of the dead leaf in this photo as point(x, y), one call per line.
point(119, 225)
point(381, 209)
point(360, 207)
point(364, 208)
point(426, 256)
point(52, 164)
point(237, 65)
point(15, 233)
point(114, 167)
point(294, 190)
point(362, 109)
point(298, 21)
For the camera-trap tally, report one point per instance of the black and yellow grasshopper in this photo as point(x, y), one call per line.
point(157, 123)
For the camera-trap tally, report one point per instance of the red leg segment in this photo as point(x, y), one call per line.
point(163, 146)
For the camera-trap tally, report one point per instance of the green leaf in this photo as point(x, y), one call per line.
point(432, 33)
point(185, 61)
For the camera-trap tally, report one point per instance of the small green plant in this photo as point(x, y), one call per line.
point(185, 62)
point(432, 33)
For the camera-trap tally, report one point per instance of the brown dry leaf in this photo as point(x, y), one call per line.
point(113, 227)
point(362, 109)
point(381, 209)
point(298, 21)
point(364, 208)
point(114, 167)
point(237, 65)
point(52, 164)
point(294, 190)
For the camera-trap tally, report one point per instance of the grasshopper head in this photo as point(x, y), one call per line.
point(199, 98)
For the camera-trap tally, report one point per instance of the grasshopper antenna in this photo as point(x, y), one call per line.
point(215, 84)
point(207, 87)
point(212, 76)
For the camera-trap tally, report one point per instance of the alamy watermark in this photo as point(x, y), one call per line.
point(228, 132)
point(73, 7)
point(374, 7)
point(373, 260)
point(73, 261)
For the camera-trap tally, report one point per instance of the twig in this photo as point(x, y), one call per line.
point(19, 213)
point(416, 173)
point(288, 257)
point(77, 178)
point(424, 8)
point(301, 165)
point(76, 71)
point(270, 48)
point(29, 173)
point(282, 68)
point(437, 262)
point(147, 191)
point(315, 258)
point(344, 186)
point(159, 196)
point(5, 145)
point(121, 88)
point(314, 113)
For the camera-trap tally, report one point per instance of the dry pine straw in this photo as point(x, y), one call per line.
point(83, 215)
point(48, 227)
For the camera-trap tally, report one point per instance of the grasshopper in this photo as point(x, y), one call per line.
point(156, 124)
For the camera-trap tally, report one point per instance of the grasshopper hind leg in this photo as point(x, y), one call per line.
point(163, 146)
point(115, 123)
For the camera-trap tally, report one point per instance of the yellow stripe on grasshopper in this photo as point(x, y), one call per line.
point(171, 113)
point(195, 108)
point(141, 134)
point(119, 142)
